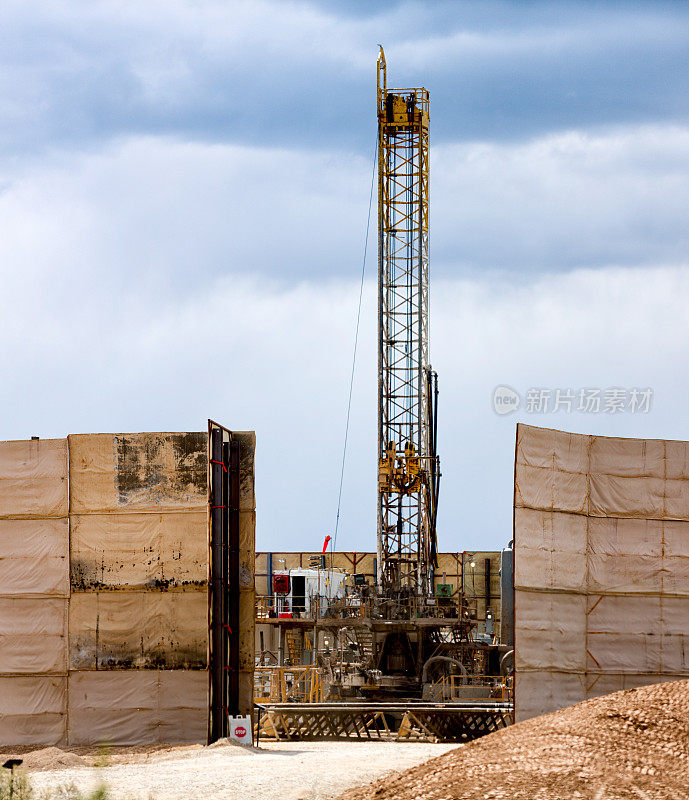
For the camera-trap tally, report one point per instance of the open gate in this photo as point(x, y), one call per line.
point(223, 583)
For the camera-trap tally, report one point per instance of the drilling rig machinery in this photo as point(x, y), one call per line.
point(408, 471)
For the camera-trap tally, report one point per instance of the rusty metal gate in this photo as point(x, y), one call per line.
point(223, 584)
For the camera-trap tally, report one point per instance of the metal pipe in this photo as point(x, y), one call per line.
point(487, 584)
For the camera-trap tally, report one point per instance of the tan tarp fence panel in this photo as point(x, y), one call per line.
point(247, 578)
point(34, 591)
point(139, 550)
point(138, 617)
point(33, 635)
point(138, 706)
point(33, 710)
point(103, 588)
point(137, 472)
point(33, 479)
point(34, 557)
point(601, 536)
point(141, 629)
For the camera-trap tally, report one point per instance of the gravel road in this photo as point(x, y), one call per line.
point(277, 771)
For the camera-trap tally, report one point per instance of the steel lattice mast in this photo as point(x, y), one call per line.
point(407, 476)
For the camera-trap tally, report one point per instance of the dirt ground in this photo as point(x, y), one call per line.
point(631, 745)
point(276, 771)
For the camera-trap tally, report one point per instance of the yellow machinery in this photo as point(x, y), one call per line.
point(407, 387)
point(396, 640)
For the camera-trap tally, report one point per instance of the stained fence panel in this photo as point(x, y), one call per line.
point(103, 588)
point(138, 629)
point(134, 472)
point(601, 540)
point(139, 550)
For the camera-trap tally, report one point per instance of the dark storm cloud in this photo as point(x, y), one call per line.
point(185, 184)
point(302, 75)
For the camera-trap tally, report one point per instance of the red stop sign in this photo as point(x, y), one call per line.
point(240, 731)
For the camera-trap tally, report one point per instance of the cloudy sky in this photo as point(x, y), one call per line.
point(183, 201)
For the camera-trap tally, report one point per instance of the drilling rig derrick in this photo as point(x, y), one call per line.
point(408, 472)
point(403, 638)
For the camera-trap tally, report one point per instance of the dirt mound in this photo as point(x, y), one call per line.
point(631, 744)
point(230, 744)
point(51, 758)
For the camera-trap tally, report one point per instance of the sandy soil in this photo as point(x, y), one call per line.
point(276, 771)
point(631, 745)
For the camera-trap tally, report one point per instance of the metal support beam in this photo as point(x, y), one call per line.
point(223, 585)
point(232, 589)
point(445, 722)
point(216, 727)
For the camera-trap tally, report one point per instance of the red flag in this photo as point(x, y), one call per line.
point(325, 543)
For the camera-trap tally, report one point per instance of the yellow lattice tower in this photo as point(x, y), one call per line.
point(406, 442)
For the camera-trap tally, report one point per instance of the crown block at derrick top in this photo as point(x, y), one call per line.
point(138, 471)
